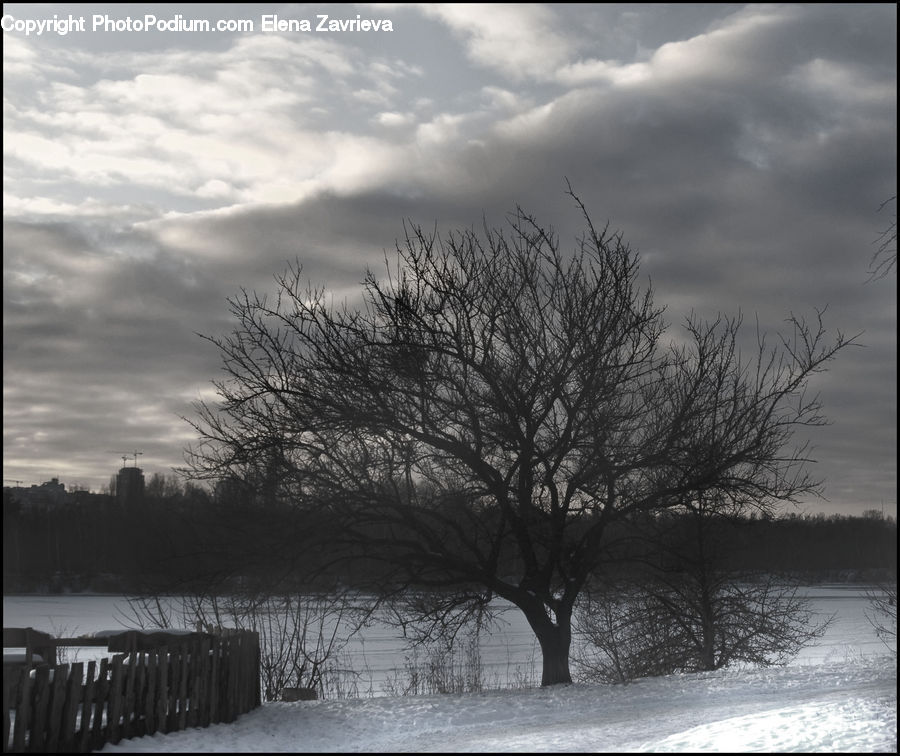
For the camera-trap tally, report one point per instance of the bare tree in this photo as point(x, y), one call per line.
point(492, 405)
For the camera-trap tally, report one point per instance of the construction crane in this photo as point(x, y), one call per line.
point(126, 454)
point(18, 483)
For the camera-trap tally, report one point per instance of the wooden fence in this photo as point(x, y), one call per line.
point(67, 708)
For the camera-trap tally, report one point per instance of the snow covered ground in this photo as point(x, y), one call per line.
point(843, 706)
point(840, 696)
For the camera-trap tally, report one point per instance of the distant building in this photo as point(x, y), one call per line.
point(49, 495)
point(130, 486)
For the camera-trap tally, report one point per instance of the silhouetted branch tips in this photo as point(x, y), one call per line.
point(885, 256)
point(882, 613)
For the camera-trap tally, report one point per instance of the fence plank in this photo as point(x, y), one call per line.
point(193, 683)
point(130, 667)
point(245, 674)
point(70, 708)
point(243, 683)
point(55, 709)
point(24, 690)
point(203, 686)
point(214, 673)
point(253, 682)
point(87, 709)
point(234, 671)
point(238, 687)
point(198, 669)
point(174, 681)
point(57, 704)
point(257, 685)
point(139, 721)
point(183, 675)
point(150, 694)
point(9, 683)
point(225, 700)
point(162, 695)
point(99, 728)
point(115, 699)
point(40, 703)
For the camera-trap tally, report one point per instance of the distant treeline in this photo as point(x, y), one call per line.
point(186, 538)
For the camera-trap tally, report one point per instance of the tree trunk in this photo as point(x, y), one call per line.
point(555, 640)
point(708, 652)
point(555, 650)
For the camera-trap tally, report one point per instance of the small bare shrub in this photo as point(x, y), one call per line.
point(301, 638)
point(64, 654)
point(446, 668)
point(682, 625)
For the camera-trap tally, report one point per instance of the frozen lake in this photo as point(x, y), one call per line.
point(509, 655)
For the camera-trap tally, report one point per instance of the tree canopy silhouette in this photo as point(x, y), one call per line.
point(492, 405)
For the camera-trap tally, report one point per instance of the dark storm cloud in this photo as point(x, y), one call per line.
point(742, 150)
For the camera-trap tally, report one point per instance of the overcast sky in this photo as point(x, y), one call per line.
point(744, 151)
